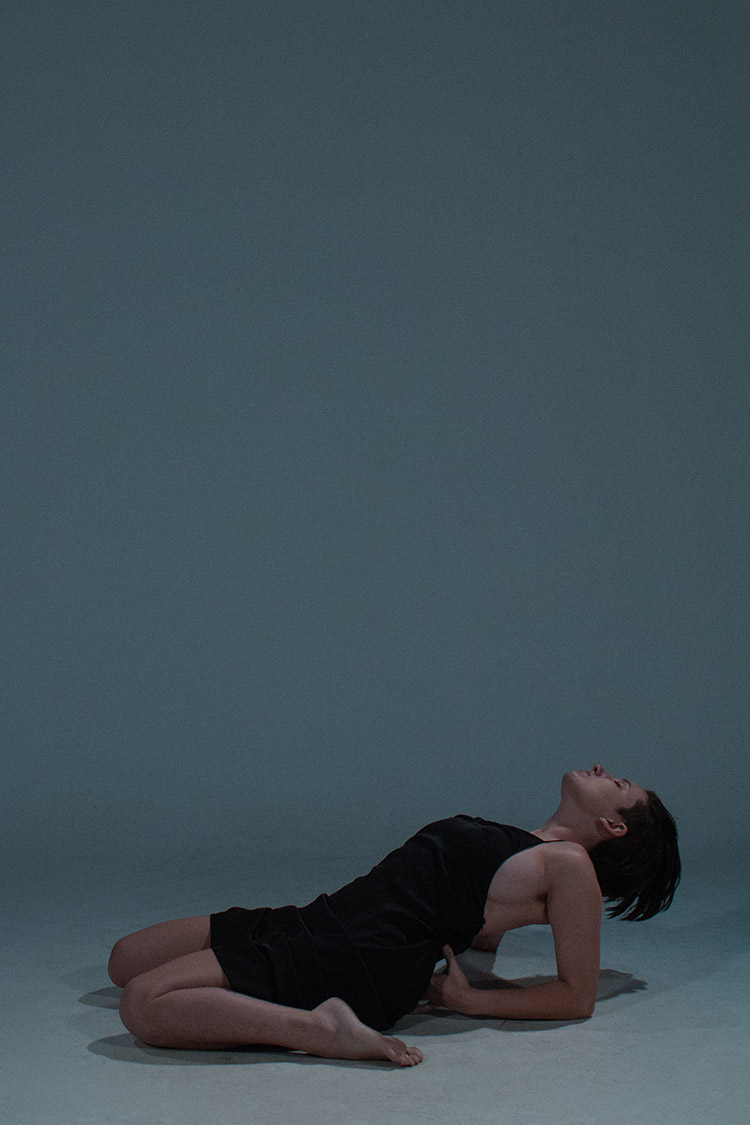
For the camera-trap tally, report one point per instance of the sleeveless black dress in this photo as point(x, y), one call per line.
point(375, 942)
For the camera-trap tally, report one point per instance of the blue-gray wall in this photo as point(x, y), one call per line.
point(376, 415)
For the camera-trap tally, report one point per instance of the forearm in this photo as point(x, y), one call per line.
point(486, 944)
point(554, 1000)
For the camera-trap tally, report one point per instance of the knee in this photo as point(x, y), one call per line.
point(121, 968)
point(134, 1010)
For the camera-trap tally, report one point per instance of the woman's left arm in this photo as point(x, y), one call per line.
point(574, 909)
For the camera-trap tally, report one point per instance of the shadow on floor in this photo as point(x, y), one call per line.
point(125, 1048)
point(611, 983)
point(102, 998)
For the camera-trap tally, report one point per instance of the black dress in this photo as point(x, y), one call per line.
point(375, 942)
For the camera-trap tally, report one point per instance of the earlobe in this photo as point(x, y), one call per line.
point(613, 827)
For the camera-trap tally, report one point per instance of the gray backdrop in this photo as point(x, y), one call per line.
point(376, 406)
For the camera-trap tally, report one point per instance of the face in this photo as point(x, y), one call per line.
point(601, 793)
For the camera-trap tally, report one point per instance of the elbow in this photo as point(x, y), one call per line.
point(583, 1009)
point(578, 1006)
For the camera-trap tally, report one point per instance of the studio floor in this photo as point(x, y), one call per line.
point(669, 1041)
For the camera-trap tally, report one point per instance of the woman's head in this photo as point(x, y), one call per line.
point(638, 871)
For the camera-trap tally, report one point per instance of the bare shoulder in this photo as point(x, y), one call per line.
point(565, 851)
point(568, 862)
point(531, 881)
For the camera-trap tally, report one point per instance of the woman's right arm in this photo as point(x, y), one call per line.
point(574, 909)
point(486, 944)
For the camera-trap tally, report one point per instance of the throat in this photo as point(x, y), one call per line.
point(551, 833)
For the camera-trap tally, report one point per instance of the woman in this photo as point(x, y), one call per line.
point(329, 977)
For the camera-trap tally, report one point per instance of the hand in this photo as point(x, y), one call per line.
point(449, 989)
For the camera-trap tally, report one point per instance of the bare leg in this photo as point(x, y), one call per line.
point(188, 1004)
point(157, 945)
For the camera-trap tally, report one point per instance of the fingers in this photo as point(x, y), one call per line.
point(451, 964)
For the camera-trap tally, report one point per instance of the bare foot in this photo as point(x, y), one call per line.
point(344, 1036)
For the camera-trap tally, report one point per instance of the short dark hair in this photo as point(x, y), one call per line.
point(639, 872)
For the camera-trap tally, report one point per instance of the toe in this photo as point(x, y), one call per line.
point(395, 1050)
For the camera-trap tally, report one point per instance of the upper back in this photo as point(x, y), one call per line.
point(437, 882)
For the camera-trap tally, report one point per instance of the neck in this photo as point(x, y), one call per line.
point(561, 827)
point(551, 831)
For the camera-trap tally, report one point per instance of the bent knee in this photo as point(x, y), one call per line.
point(134, 1010)
point(121, 967)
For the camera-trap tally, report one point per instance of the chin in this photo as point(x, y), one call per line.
point(573, 777)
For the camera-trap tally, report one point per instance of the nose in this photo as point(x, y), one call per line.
point(599, 771)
